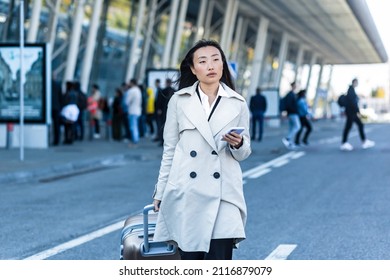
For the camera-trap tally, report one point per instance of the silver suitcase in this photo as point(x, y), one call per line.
point(137, 239)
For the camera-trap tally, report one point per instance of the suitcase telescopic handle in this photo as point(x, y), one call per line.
point(147, 208)
point(157, 248)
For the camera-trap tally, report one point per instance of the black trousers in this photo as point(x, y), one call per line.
point(125, 122)
point(56, 120)
point(220, 249)
point(257, 119)
point(150, 122)
point(348, 125)
point(305, 124)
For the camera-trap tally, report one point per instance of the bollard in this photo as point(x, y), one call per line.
point(10, 130)
point(108, 129)
point(91, 129)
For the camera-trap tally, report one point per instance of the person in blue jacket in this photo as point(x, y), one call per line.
point(304, 118)
point(290, 103)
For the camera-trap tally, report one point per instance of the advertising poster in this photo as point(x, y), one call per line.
point(162, 74)
point(34, 83)
point(272, 97)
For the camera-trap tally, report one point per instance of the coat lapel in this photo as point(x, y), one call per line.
point(194, 112)
point(225, 112)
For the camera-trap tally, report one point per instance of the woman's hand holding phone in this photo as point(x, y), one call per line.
point(233, 136)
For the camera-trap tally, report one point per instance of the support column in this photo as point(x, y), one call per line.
point(227, 21)
point(237, 39)
point(298, 69)
point(132, 62)
point(74, 42)
point(316, 97)
point(312, 62)
point(55, 10)
point(327, 105)
point(209, 17)
point(261, 39)
point(330, 78)
point(200, 26)
point(237, 54)
point(148, 39)
point(179, 32)
point(231, 24)
point(34, 21)
point(282, 58)
point(91, 43)
point(171, 30)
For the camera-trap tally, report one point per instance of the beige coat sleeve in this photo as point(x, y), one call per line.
point(171, 137)
point(245, 150)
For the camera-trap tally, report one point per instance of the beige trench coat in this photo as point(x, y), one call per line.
point(199, 170)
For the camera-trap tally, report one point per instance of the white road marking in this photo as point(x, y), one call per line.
point(297, 155)
point(281, 252)
point(76, 242)
point(281, 163)
point(265, 168)
point(265, 165)
point(259, 173)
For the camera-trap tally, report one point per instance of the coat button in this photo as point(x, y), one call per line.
point(214, 153)
point(193, 174)
point(193, 153)
point(216, 175)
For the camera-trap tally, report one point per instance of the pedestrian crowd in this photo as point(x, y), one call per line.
point(299, 118)
point(132, 113)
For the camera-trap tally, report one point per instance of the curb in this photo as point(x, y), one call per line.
point(61, 170)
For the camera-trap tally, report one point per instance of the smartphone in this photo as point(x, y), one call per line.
point(237, 130)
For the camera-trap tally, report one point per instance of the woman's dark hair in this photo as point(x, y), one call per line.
point(301, 93)
point(69, 85)
point(187, 78)
point(119, 91)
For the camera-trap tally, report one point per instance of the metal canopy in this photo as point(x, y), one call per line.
point(339, 31)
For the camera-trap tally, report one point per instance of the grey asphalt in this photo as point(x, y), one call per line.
point(286, 209)
point(82, 156)
point(62, 160)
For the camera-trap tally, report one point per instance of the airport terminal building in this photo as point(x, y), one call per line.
point(268, 44)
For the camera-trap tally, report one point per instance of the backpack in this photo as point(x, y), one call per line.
point(342, 100)
point(283, 104)
point(82, 101)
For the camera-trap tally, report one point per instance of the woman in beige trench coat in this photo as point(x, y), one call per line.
point(199, 192)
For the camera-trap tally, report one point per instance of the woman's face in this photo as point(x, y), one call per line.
point(208, 65)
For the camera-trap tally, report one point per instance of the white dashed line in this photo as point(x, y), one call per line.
point(297, 155)
point(281, 252)
point(259, 173)
point(281, 163)
point(76, 242)
point(265, 168)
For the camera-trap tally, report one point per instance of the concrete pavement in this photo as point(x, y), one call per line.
point(62, 160)
point(84, 156)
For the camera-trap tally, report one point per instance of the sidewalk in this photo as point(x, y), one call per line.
point(63, 160)
point(84, 156)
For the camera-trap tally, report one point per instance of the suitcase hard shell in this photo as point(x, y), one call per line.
point(137, 239)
